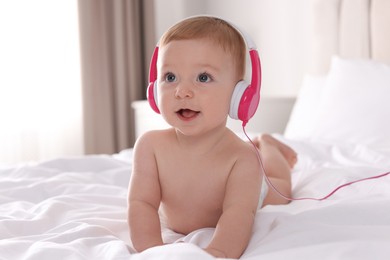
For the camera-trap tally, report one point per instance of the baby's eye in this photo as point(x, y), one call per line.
point(170, 77)
point(204, 77)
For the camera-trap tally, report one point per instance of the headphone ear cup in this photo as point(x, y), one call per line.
point(151, 94)
point(238, 92)
point(248, 104)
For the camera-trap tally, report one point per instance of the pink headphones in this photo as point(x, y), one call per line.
point(245, 97)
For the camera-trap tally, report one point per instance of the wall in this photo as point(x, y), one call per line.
point(279, 28)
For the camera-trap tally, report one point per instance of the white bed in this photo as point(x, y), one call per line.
point(75, 208)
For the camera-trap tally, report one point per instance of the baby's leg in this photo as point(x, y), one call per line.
point(278, 160)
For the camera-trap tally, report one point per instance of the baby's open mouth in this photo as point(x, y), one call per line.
point(187, 113)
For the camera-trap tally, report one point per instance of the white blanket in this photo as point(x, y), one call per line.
point(75, 208)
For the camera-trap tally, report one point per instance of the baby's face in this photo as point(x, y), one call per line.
point(195, 83)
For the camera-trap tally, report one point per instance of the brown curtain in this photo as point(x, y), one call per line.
point(117, 39)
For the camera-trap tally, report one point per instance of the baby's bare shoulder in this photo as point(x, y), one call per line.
point(241, 149)
point(154, 137)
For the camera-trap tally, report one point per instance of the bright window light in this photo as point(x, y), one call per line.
point(40, 93)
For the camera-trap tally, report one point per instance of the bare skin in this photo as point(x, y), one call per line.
point(202, 205)
point(278, 160)
point(208, 177)
point(222, 190)
point(290, 156)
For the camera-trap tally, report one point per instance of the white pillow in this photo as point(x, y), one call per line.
point(355, 105)
point(304, 113)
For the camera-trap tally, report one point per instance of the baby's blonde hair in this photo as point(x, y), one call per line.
point(212, 28)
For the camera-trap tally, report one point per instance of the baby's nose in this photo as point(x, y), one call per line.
point(184, 91)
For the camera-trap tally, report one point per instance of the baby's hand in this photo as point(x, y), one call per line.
point(215, 252)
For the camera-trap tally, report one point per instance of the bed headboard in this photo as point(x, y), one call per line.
point(350, 29)
point(347, 28)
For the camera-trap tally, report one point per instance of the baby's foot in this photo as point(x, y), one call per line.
point(287, 151)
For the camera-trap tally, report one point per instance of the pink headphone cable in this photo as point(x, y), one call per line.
point(308, 198)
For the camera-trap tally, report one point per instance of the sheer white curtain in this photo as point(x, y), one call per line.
point(40, 93)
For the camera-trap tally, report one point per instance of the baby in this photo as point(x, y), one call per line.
point(198, 173)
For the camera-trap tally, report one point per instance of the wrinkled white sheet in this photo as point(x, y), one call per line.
point(75, 208)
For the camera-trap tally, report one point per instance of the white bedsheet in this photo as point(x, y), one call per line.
point(75, 208)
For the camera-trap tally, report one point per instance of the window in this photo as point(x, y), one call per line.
point(40, 86)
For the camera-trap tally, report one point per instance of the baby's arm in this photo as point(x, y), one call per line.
point(234, 228)
point(144, 197)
